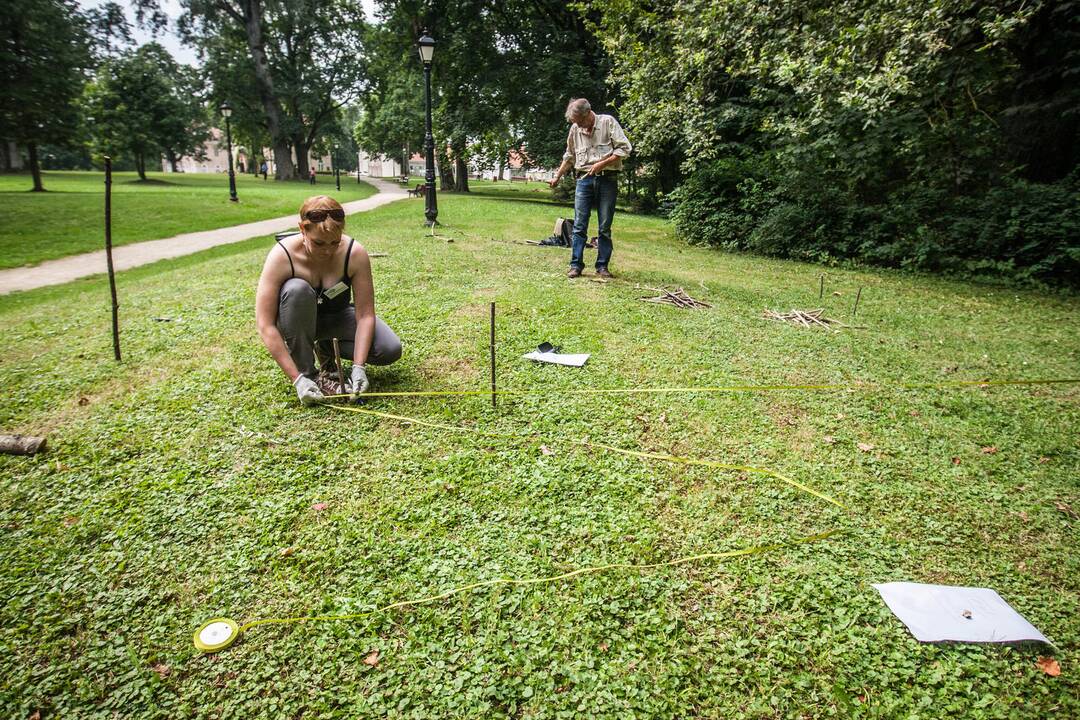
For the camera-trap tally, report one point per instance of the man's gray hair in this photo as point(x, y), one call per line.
point(577, 108)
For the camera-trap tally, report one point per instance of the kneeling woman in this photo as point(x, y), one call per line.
point(302, 303)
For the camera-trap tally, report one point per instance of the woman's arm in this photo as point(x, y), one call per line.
point(273, 276)
point(364, 299)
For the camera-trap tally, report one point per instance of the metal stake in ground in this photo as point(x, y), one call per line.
point(493, 355)
point(108, 258)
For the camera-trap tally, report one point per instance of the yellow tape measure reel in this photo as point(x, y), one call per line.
point(216, 634)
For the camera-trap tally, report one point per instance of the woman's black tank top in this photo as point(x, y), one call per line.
point(328, 305)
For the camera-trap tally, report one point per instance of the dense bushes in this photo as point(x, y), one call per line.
point(1017, 230)
point(943, 139)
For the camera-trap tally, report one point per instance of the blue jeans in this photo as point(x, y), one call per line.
point(594, 192)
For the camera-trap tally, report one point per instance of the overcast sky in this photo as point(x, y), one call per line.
point(171, 43)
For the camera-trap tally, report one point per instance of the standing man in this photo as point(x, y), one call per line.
point(595, 149)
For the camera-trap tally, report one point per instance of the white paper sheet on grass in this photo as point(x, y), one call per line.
point(935, 613)
point(558, 358)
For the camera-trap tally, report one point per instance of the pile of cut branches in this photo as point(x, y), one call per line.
point(677, 297)
point(806, 318)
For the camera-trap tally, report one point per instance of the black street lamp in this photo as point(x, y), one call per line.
point(431, 207)
point(226, 110)
point(337, 170)
point(405, 162)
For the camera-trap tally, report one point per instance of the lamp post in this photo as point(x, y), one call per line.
point(431, 207)
point(405, 163)
point(226, 110)
point(334, 165)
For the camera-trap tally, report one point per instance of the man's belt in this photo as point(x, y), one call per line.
point(578, 174)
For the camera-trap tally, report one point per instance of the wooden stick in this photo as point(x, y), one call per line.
point(493, 401)
point(21, 444)
point(108, 259)
point(340, 371)
point(857, 296)
point(821, 287)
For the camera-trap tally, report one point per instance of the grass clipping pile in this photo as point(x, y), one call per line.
point(806, 318)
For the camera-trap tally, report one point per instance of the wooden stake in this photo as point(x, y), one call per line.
point(493, 355)
point(821, 287)
point(109, 260)
point(857, 296)
point(340, 371)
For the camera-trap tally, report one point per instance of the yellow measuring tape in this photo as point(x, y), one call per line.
point(219, 633)
point(720, 388)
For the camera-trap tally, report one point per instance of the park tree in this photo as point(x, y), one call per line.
point(390, 117)
point(302, 60)
point(502, 75)
point(110, 30)
point(143, 105)
point(44, 55)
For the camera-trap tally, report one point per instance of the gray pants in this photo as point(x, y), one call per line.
point(307, 332)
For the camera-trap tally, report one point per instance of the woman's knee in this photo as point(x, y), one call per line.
point(386, 351)
point(296, 290)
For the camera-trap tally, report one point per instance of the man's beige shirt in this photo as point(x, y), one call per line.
point(607, 137)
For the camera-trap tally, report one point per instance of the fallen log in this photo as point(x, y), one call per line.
point(21, 444)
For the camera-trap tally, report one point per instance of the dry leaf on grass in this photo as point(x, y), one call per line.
point(162, 670)
point(546, 450)
point(70, 520)
point(1043, 460)
point(956, 461)
point(828, 439)
point(990, 450)
point(319, 506)
point(36, 715)
point(865, 447)
point(287, 552)
point(1049, 666)
point(372, 658)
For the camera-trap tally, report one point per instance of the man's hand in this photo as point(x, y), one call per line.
point(358, 381)
point(554, 181)
point(307, 390)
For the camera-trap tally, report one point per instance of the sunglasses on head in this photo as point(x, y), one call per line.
point(317, 216)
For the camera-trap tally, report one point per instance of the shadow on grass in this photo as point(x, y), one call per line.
point(540, 196)
point(148, 181)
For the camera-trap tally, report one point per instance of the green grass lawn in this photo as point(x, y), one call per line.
point(70, 217)
point(180, 486)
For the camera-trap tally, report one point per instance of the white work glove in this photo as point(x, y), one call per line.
point(358, 381)
point(307, 390)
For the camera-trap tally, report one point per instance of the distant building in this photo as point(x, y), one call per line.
point(10, 156)
point(389, 167)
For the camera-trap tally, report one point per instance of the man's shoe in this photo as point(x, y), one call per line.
point(573, 273)
point(603, 273)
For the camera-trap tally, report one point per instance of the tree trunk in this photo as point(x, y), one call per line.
point(140, 165)
point(446, 170)
point(173, 160)
point(35, 167)
point(461, 171)
point(5, 156)
point(283, 164)
point(302, 149)
point(502, 167)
